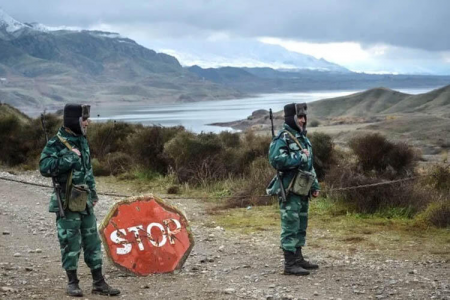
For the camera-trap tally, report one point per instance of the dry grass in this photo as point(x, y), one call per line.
point(374, 235)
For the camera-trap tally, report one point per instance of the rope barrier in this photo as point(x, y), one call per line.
point(374, 184)
point(330, 190)
point(51, 187)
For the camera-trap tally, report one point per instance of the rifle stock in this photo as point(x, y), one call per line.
point(55, 183)
point(283, 191)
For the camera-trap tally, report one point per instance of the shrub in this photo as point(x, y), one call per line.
point(109, 137)
point(12, 137)
point(208, 157)
point(437, 214)
point(195, 158)
point(375, 153)
point(314, 123)
point(100, 169)
point(249, 189)
point(402, 158)
point(440, 179)
point(35, 136)
point(147, 147)
point(117, 163)
point(230, 139)
point(237, 160)
point(408, 195)
point(173, 189)
point(324, 154)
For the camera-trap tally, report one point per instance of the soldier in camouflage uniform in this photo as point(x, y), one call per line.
point(66, 157)
point(287, 157)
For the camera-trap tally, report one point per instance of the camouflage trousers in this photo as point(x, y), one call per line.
point(294, 221)
point(76, 231)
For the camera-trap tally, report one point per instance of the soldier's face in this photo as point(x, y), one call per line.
point(301, 121)
point(85, 124)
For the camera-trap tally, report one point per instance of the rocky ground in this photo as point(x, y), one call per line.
point(222, 265)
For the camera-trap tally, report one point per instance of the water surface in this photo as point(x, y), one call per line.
point(197, 115)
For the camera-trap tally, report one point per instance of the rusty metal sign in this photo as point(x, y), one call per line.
point(145, 235)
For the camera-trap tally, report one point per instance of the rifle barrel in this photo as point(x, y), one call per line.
point(271, 121)
point(283, 192)
point(56, 185)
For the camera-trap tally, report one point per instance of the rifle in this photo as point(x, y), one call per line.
point(283, 192)
point(56, 185)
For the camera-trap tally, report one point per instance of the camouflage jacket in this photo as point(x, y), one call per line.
point(58, 161)
point(286, 156)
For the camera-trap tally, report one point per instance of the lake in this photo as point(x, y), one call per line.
point(196, 116)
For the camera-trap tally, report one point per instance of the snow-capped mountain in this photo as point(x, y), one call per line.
point(11, 28)
point(9, 24)
point(242, 53)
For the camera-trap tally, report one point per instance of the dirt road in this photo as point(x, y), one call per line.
point(222, 265)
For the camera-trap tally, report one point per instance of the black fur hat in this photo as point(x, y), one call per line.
point(73, 115)
point(294, 110)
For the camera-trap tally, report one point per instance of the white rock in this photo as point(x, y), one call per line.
point(229, 291)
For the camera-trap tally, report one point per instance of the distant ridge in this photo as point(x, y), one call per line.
point(371, 105)
point(268, 80)
point(436, 101)
point(381, 100)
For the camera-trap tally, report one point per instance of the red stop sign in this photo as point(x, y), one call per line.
point(144, 235)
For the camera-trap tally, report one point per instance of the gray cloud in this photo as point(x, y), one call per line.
point(421, 24)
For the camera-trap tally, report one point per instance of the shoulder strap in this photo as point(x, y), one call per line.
point(294, 138)
point(69, 178)
point(64, 141)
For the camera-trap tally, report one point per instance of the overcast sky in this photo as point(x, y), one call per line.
point(363, 35)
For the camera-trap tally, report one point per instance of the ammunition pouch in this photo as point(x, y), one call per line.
point(301, 183)
point(76, 196)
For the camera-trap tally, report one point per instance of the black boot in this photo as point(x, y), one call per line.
point(290, 268)
point(99, 286)
point(72, 286)
point(301, 262)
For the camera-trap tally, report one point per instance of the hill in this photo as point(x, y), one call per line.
point(383, 101)
point(8, 110)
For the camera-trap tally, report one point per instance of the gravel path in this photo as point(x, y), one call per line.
point(222, 265)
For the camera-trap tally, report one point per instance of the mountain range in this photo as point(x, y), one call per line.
point(242, 53)
point(40, 67)
point(43, 68)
